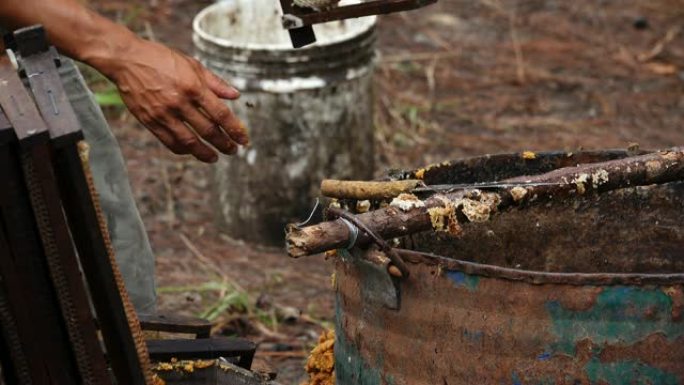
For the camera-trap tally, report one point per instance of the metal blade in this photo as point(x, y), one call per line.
point(295, 17)
point(302, 36)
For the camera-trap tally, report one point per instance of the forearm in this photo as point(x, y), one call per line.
point(173, 95)
point(74, 29)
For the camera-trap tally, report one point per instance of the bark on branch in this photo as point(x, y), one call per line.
point(443, 212)
point(361, 190)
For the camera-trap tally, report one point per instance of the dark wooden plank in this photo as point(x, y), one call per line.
point(14, 361)
point(31, 297)
point(39, 62)
point(6, 131)
point(176, 324)
point(54, 233)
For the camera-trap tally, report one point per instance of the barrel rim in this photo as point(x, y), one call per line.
point(540, 277)
point(221, 42)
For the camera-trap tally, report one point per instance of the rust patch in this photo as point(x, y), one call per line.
point(655, 350)
point(581, 302)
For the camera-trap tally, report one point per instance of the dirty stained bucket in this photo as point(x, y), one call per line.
point(308, 111)
point(588, 290)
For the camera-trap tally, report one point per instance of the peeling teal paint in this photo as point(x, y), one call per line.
point(621, 314)
point(627, 373)
point(350, 367)
point(462, 279)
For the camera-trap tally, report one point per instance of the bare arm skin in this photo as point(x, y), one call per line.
point(173, 95)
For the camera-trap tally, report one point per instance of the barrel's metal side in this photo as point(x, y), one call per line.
point(457, 328)
point(463, 323)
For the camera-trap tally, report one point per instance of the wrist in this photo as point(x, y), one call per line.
point(108, 52)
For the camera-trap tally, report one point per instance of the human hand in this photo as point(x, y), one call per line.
point(178, 100)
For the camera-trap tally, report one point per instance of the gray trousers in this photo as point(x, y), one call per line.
point(133, 251)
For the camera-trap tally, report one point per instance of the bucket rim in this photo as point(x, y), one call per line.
point(539, 277)
point(371, 22)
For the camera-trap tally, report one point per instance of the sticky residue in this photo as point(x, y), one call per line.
point(444, 218)
point(420, 173)
point(480, 207)
point(477, 207)
point(406, 202)
point(321, 363)
point(475, 211)
point(599, 177)
point(529, 155)
point(439, 217)
point(363, 206)
point(164, 366)
point(518, 193)
point(580, 181)
point(186, 366)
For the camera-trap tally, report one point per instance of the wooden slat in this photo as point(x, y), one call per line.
point(39, 62)
point(175, 324)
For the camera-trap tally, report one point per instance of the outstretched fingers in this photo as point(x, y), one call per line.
point(210, 131)
point(220, 114)
point(181, 140)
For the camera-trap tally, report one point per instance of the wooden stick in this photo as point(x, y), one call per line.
point(361, 190)
point(473, 205)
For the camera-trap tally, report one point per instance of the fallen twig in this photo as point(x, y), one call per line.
point(661, 44)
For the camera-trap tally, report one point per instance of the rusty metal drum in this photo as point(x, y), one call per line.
point(580, 291)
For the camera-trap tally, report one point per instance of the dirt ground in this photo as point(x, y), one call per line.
point(456, 79)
